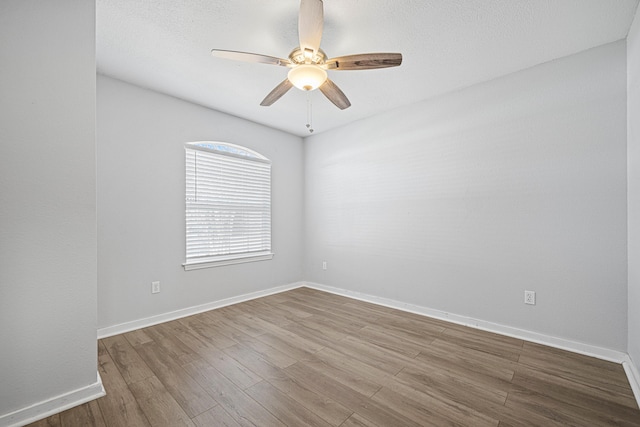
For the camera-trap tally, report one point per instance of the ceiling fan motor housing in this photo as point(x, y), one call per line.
point(297, 56)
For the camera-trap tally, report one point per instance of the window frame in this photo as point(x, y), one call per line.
point(225, 149)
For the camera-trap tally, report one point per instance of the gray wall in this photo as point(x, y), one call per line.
point(141, 219)
point(48, 275)
point(460, 203)
point(633, 150)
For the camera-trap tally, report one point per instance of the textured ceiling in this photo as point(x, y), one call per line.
point(165, 45)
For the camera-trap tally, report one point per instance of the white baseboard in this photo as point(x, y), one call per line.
point(54, 405)
point(633, 375)
point(178, 314)
point(551, 341)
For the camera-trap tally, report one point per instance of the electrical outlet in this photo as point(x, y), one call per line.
point(155, 287)
point(324, 265)
point(530, 297)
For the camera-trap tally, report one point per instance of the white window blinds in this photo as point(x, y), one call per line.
point(228, 204)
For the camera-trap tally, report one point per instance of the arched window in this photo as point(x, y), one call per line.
point(228, 205)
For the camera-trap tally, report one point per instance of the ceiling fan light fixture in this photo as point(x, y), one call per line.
point(309, 64)
point(307, 76)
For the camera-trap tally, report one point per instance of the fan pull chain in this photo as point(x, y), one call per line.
point(309, 113)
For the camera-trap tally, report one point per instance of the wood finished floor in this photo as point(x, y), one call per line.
point(306, 357)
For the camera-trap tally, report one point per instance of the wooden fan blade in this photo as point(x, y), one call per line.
point(335, 95)
point(277, 93)
point(250, 57)
point(310, 22)
point(364, 61)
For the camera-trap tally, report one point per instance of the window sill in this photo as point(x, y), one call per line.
point(197, 265)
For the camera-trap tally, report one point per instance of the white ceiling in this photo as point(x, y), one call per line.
point(165, 45)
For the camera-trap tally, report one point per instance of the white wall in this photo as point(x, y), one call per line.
point(633, 152)
point(141, 222)
point(48, 273)
point(460, 203)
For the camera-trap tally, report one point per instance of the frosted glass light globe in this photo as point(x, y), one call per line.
point(307, 76)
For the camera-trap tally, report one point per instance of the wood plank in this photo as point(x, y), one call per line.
point(372, 354)
point(310, 334)
point(515, 414)
point(290, 343)
point(158, 405)
point(448, 408)
point(275, 299)
point(237, 321)
point(385, 340)
point(137, 337)
point(87, 414)
point(419, 338)
point(606, 376)
point(344, 312)
point(359, 376)
point(324, 308)
point(325, 312)
point(299, 306)
point(270, 354)
point(224, 329)
point(317, 295)
point(342, 326)
point(504, 347)
point(240, 375)
point(293, 311)
point(321, 404)
point(431, 412)
point(388, 314)
point(368, 408)
point(283, 407)
point(411, 320)
point(424, 328)
point(358, 383)
point(217, 417)
point(468, 359)
point(252, 360)
point(165, 338)
point(415, 321)
point(270, 314)
point(242, 408)
point(469, 392)
point(564, 399)
point(550, 409)
point(200, 327)
point(129, 363)
point(434, 381)
point(184, 389)
point(572, 393)
point(356, 420)
point(118, 407)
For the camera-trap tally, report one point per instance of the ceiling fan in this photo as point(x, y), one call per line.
point(309, 64)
